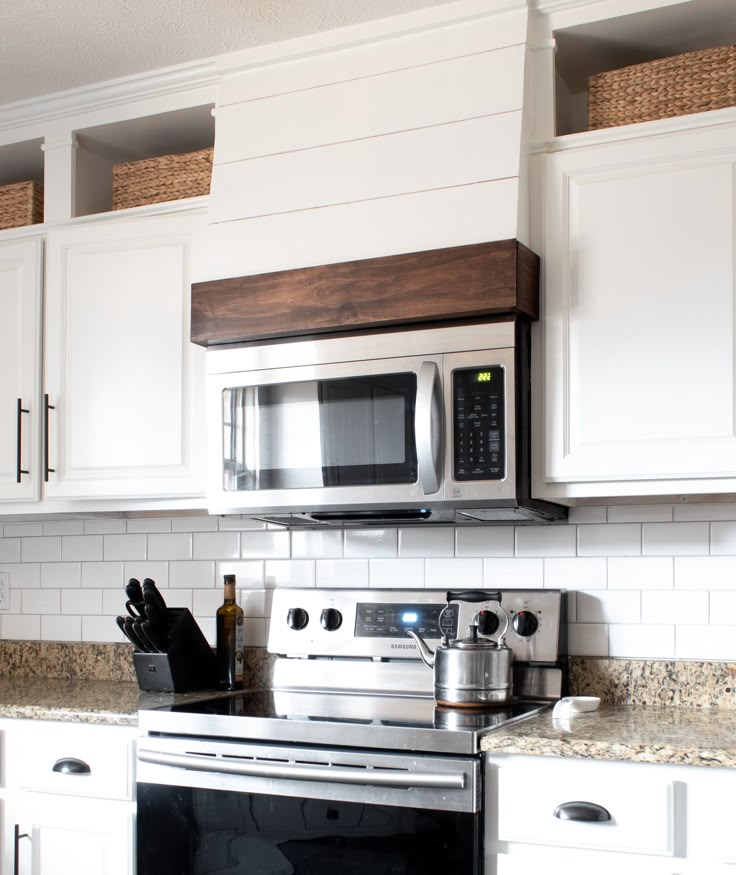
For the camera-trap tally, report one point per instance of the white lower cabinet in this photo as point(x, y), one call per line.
point(69, 802)
point(580, 816)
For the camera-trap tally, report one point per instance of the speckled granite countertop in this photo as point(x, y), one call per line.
point(77, 700)
point(632, 733)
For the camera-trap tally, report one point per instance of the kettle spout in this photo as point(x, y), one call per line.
point(425, 651)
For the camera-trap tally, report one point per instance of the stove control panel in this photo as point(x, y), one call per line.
point(373, 623)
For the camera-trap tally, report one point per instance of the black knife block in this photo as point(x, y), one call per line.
point(188, 664)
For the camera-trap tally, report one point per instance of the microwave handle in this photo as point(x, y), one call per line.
point(428, 427)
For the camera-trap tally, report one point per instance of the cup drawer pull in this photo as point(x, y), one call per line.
point(71, 766)
point(585, 812)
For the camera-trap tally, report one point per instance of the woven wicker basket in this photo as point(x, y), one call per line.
point(680, 85)
point(21, 204)
point(166, 178)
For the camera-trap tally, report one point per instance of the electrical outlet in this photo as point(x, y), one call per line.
point(4, 591)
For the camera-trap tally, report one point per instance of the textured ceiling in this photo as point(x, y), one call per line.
point(55, 45)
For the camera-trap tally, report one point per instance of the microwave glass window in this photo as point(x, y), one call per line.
point(344, 432)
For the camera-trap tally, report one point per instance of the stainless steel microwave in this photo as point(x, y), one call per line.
point(397, 427)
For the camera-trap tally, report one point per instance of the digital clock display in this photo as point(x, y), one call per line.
point(483, 377)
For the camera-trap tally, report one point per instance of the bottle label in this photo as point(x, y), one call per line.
point(239, 645)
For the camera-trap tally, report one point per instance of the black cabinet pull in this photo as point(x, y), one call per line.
point(71, 766)
point(19, 469)
point(16, 858)
point(584, 812)
point(46, 469)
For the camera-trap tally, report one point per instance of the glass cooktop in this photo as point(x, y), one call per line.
point(347, 719)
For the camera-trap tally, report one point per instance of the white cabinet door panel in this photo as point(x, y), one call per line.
point(20, 367)
point(120, 370)
point(639, 329)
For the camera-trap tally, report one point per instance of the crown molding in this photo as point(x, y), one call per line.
point(109, 94)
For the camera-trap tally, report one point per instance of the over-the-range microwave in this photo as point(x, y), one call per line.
point(397, 427)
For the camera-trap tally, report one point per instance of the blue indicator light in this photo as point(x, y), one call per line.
point(409, 617)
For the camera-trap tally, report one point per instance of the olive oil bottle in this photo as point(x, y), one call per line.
point(230, 622)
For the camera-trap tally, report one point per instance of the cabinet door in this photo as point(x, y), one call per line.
point(121, 375)
point(639, 350)
point(63, 835)
point(20, 369)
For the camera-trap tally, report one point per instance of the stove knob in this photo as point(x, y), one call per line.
point(297, 618)
point(331, 619)
point(525, 623)
point(487, 622)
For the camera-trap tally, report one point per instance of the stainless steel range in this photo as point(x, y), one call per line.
point(346, 764)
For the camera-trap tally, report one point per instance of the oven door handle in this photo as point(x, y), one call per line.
point(428, 427)
point(327, 774)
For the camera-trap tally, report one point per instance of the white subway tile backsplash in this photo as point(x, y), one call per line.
point(606, 606)
point(23, 530)
point(255, 602)
point(104, 527)
point(370, 543)
point(641, 641)
point(180, 598)
point(216, 545)
point(316, 545)
point(723, 538)
point(147, 525)
point(706, 642)
point(675, 539)
point(205, 602)
point(61, 628)
point(290, 572)
point(117, 547)
point(82, 548)
point(454, 573)
point(396, 573)
point(342, 572)
point(484, 541)
point(63, 527)
point(705, 572)
point(238, 524)
point(157, 571)
point(685, 512)
point(545, 540)
point(513, 573)
point(641, 572)
point(99, 629)
point(102, 574)
point(587, 639)
point(191, 575)
point(10, 550)
point(250, 574)
point(611, 539)
point(428, 542)
point(677, 606)
point(580, 573)
point(195, 524)
point(84, 601)
point(40, 549)
point(21, 627)
point(62, 575)
point(268, 544)
point(640, 513)
point(42, 601)
point(255, 632)
point(723, 607)
point(587, 514)
point(23, 576)
point(170, 546)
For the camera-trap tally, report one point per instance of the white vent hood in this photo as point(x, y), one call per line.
point(400, 135)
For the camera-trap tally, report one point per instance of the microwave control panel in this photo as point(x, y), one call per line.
point(478, 398)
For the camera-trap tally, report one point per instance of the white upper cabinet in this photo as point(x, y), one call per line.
point(20, 368)
point(639, 339)
point(122, 380)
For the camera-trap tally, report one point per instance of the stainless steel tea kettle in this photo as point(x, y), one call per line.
point(472, 671)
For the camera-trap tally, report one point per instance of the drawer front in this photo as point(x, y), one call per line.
point(73, 759)
point(639, 805)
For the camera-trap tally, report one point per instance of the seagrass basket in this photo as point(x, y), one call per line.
point(680, 85)
point(21, 204)
point(166, 178)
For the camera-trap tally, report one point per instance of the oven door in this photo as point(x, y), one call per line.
point(232, 808)
point(326, 436)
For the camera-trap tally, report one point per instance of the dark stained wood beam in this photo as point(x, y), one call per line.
point(460, 282)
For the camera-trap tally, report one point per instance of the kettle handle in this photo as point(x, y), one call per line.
point(473, 595)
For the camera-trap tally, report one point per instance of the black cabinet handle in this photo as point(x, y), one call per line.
point(46, 469)
point(16, 858)
point(473, 595)
point(71, 766)
point(584, 812)
point(19, 470)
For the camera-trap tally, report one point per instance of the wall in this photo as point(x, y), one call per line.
point(653, 582)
